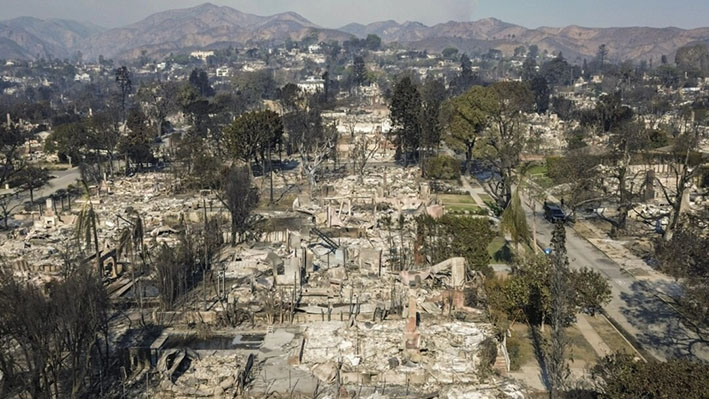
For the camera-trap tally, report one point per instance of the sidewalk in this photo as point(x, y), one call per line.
point(629, 262)
point(590, 334)
point(474, 192)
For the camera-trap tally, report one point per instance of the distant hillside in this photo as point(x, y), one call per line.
point(200, 27)
point(209, 26)
point(30, 38)
point(577, 43)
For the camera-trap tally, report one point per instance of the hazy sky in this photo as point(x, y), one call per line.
point(335, 13)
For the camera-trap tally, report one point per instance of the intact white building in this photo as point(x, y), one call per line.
point(202, 55)
point(312, 85)
point(82, 77)
point(223, 72)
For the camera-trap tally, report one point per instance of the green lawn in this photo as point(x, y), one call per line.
point(540, 174)
point(485, 198)
point(540, 169)
point(610, 335)
point(499, 250)
point(579, 350)
point(460, 204)
point(454, 199)
point(543, 181)
point(519, 345)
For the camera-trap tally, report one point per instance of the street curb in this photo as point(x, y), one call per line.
point(628, 338)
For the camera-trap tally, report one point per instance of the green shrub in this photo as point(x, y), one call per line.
point(443, 167)
point(514, 351)
point(556, 168)
point(488, 352)
point(488, 355)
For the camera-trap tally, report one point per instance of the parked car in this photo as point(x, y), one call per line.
point(553, 213)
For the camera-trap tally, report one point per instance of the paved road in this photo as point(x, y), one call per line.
point(61, 180)
point(634, 304)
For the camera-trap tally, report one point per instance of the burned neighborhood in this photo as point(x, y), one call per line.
point(214, 204)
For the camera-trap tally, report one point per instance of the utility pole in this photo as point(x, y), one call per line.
point(270, 171)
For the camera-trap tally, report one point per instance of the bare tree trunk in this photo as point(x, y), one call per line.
point(534, 226)
point(270, 172)
point(98, 252)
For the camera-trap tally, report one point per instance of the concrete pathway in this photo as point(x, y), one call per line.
point(474, 192)
point(590, 334)
point(530, 375)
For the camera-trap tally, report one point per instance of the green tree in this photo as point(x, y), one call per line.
point(69, 141)
point(530, 287)
point(449, 52)
point(160, 99)
point(433, 94)
point(290, 96)
point(467, 116)
point(454, 236)
point(200, 81)
point(405, 114)
point(103, 131)
point(683, 256)
point(533, 51)
point(611, 112)
point(443, 167)
point(467, 78)
point(558, 72)
point(254, 135)
point(125, 84)
point(12, 140)
point(373, 42)
point(196, 108)
point(514, 221)
point(529, 69)
point(31, 178)
point(602, 55)
point(562, 313)
point(592, 290)
point(540, 89)
point(621, 376)
point(505, 139)
point(359, 71)
point(254, 87)
point(240, 198)
point(136, 145)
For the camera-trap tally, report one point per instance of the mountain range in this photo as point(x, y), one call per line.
point(209, 26)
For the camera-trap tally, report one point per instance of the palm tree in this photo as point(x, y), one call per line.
point(86, 227)
point(514, 221)
point(131, 238)
point(533, 194)
point(131, 241)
